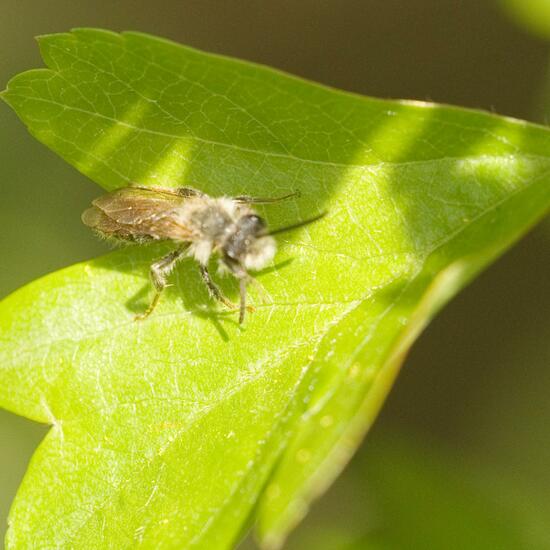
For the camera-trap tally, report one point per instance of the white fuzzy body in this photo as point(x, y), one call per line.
point(212, 221)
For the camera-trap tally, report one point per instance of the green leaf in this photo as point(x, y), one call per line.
point(181, 430)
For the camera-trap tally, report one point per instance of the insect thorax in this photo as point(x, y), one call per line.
point(212, 220)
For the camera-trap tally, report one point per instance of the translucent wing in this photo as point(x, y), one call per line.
point(140, 213)
point(97, 219)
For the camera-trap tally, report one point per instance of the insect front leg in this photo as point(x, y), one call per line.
point(217, 294)
point(242, 309)
point(159, 273)
point(213, 288)
point(244, 278)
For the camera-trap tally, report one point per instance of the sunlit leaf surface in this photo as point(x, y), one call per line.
point(176, 431)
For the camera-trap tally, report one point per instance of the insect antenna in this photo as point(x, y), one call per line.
point(299, 224)
point(266, 200)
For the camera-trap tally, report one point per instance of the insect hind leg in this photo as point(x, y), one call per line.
point(159, 272)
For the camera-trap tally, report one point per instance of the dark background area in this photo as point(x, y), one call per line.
point(476, 384)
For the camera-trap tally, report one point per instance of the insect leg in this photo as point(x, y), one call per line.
point(159, 273)
point(244, 278)
point(242, 309)
point(213, 288)
point(264, 200)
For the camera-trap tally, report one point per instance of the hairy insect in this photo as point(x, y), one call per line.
point(199, 226)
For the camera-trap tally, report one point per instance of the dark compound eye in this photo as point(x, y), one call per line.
point(247, 231)
point(254, 223)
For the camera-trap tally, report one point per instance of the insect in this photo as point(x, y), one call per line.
point(199, 226)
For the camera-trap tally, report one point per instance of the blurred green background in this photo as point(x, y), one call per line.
point(460, 456)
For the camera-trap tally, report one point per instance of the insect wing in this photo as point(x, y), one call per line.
point(97, 219)
point(140, 211)
point(135, 205)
